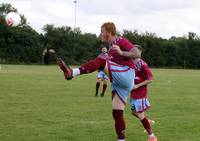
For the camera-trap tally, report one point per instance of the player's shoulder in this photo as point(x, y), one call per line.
point(121, 39)
point(142, 64)
point(124, 43)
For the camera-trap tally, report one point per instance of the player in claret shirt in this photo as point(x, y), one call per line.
point(101, 76)
point(117, 65)
point(139, 102)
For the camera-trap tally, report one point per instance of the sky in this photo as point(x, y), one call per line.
point(165, 18)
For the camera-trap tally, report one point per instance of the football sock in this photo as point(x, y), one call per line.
point(97, 87)
point(104, 88)
point(147, 125)
point(92, 65)
point(120, 126)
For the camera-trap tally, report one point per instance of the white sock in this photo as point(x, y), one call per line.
point(122, 140)
point(151, 136)
point(75, 72)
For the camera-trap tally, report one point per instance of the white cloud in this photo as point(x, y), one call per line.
point(165, 18)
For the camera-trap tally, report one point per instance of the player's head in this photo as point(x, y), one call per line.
point(104, 49)
point(108, 30)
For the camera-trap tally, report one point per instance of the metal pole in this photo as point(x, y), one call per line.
point(75, 2)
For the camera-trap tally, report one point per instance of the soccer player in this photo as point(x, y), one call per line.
point(101, 76)
point(139, 102)
point(117, 65)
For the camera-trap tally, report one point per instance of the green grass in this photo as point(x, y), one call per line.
point(37, 104)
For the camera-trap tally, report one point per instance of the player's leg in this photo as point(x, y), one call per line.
point(119, 98)
point(118, 116)
point(88, 67)
point(152, 122)
point(105, 81)
point(97, 86)
point(117, 102)
point(146, 124)
point(144, 121)
point(133, 109)
point(121, 84)
point(65, 68)
point(138, 108)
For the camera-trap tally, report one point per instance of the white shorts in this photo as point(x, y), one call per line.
point(139, 105)
point(101, 75)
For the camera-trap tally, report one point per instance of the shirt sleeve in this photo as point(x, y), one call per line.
point(125, 44)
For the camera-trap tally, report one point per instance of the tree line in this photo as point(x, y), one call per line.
point(22, 44)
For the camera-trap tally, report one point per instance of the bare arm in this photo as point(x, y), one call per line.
point(146, 82)
point(133, 53)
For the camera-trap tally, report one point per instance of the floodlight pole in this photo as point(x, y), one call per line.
point(75, 2)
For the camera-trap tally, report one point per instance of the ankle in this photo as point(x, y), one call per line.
point(75, 72)
point(151, 135)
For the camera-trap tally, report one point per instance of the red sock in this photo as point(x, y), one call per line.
point(92, 65)
point(147, 125)
point(97, 87)
point(104, 88)
point(120, 126)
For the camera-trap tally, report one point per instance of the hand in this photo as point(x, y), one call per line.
point(135, 87)
point(117, 48)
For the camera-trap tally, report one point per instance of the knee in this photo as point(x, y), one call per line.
point(141, 116)
point(98, 80)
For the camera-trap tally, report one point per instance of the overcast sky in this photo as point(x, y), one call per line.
point(166, 18)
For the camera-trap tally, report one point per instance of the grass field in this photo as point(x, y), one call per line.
point(37, 104)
